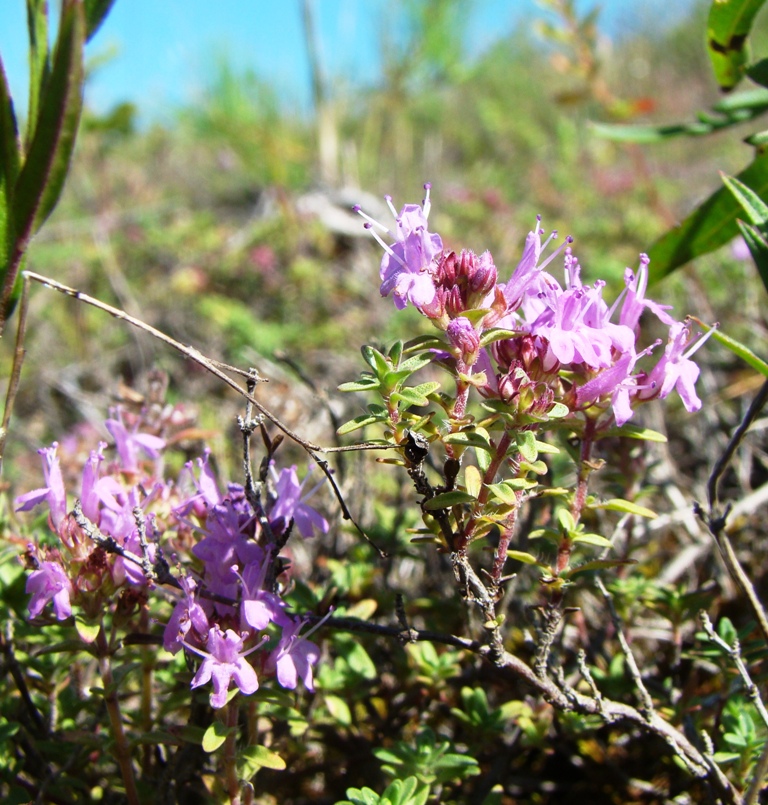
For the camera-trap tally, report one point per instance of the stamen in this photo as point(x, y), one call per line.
point(372, 221)
point(391, 206)
point(698, 344)
point(426, 204)
point(384, 246)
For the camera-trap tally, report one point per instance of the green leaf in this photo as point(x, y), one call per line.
point(758, 248)
point(339, 710)
point(728, 26)
point(9, 168)
point(254, 758)
point(631, 431)
point(448, 499)
point(526, 444)
point(709, 226)
point(599, 564)
point(496, 334)
point(414, 363)
point(423, 342)
point(751, 203)
point(592, 539)
point(362, 421)
point(39, 61)
point(746, 354)
point(364, 384)
point(396, 352)
point(731, 111)
point(375, 360)
point(45, 167)
point(95, 12)
point(88, 630)
point(525, 558)
point(758, 72)
point(215, 736)
point(505, 492)
point(415, 395)
point(468, 438)
point(621, 505)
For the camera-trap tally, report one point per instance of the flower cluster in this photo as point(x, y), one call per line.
point(564, 343)
point(229, 603)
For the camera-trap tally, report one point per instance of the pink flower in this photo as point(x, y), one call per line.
point(52, 493)
point(50, 583)
point(223, 662)
point(293, 658)
point(405, 267)
point(291, 504)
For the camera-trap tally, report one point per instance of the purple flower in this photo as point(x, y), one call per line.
point(405, 267)
point(293, 658)
point(50, 583)
point(290, 504)
point(634, 298)
point(675, 370)
point(187, 614)
point(258, 607)
point(129, 442)
point(223, 662)
point(89, 496)
point(53, 492)
point(464, 338)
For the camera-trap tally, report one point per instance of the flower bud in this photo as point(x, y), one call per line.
point(464, 338)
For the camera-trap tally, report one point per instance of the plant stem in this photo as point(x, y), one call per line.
point(122, 749)
point(229, 756)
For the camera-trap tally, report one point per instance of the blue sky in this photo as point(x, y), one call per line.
point(164, 49)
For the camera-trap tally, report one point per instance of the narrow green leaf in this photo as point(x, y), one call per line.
point(396, 352)
point(751, 203)
point(626, 506)
point(415, 395)
point(255, 757)
point(375, 360)
point(39, 61)
point(599, 564)
point(473, 480)
point(758, 248)
point(339, 709)
point(88, 630)
point(422, 342)
point(728, 26)
point(504, 492)
point(414, 363)
point(448, 499)
point(360, 422)
point(758, 72)
point(364, 384)
point(215, 736)
point(647, 135)
point(526, 444)
point(45, 168)
point(496, 334)
point(631, 431)
point(746, 354)
point(525, 558)
point(592, 539)
point(758, 140)
point(9, 169)
point(709, 226)
point(95, 12)
point(468, 438)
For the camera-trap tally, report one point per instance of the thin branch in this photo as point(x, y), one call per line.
point(646, 703)
point(212, 366)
